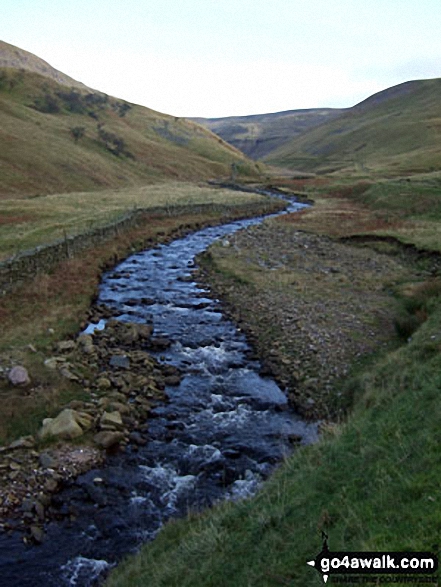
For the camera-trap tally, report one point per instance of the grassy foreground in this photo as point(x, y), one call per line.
point(371, 483)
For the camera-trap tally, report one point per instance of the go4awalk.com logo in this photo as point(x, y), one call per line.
point(400, 564)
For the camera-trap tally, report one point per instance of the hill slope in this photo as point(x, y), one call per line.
point(16, 58)
point(397, 130)
point(60, 138)
point(260, 134)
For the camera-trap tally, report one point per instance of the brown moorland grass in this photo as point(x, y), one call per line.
point(56, 139)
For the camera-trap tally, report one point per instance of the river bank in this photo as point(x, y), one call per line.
point(218, 436)
point(312, 307)
point(371, 483)
point(41, 321)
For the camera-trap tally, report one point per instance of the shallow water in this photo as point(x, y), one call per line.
point(219, 436)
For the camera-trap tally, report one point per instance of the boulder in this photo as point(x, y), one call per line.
point(132, 332)
point(18, 376)
point(84, 419)
point(66, 425)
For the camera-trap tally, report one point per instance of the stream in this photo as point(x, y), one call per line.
point(221, 433)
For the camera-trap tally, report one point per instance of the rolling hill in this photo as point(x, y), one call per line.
point(394, 131)
point(57, 135)
point(260, 134)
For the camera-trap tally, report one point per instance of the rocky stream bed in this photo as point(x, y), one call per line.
point(178, 416)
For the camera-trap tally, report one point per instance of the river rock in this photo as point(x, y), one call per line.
point(133, 332)
point(37, 534)
point(65, 346)
point(108, 438)
point(84, 419)
point(39, 510)
point(120, 361)
point(27, 505)
point(117, 396)
point(18, 376)
point(103, 383)
point(111, 420)
point(85, 342)
point(65, 425)
point(172, 380)
point(137, 439)
point(51, 485)
point(123, 409)
point(65, 371)
point(47, 461)
point(23, 442)
point(56, 363)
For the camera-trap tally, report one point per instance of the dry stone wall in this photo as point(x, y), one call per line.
point(41, 259)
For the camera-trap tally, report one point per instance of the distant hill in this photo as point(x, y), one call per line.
point(57, 135)
point(260, 134)
point(397, 130)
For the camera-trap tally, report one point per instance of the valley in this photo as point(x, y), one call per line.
point(306, 357)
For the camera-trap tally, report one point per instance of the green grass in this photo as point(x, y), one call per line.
point(395, 131)
point(27, 222)
point(371, 484)
point(406, 208)
point(418, 197)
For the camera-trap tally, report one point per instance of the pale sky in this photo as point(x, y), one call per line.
point(217, 58)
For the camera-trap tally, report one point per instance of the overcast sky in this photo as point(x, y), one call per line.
point(232, 57)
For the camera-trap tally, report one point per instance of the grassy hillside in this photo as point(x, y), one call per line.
point(58, 139)
point(260, 134)
point(395, 131)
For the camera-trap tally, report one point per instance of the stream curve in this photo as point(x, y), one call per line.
point(219, 436)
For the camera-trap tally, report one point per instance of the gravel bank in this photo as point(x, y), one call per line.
point(312, 306)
